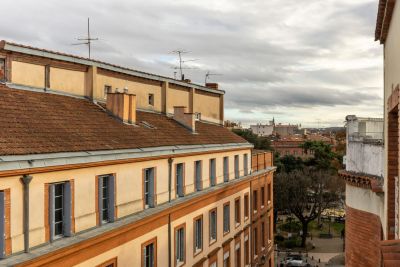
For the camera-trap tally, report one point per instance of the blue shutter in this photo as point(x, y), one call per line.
point(2, 221)
point(111, 198)
point(198, 175)
point(100, 199)
point(67, 209)
point(151, 187)
point(51, 211)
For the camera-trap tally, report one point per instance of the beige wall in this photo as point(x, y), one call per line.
point(128, 191)
point(208, 106)
point(70, 81)
point(177, 96)
point(140, 88)
point(28, 74)
point(129, 254)
point(391, 80)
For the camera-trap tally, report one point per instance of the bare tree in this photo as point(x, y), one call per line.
point(306, 193)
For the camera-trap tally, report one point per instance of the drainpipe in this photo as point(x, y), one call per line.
point(170, 161)
point(26, 179)
point(251, 226)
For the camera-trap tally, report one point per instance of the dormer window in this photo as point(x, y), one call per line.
point(151, 99)
point(107, 89)
point(2, 69)
point(197, 116)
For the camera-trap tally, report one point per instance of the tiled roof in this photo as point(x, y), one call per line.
point(36, 123)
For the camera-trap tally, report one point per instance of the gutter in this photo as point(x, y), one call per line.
point(25, 180)
point(91, 158)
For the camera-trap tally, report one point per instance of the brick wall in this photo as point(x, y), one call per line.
point(393, 170)
point(363, 236)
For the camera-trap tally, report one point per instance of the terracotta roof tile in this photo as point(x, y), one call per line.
point(35, 123)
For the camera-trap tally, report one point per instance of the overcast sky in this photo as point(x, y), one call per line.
point(301, 61)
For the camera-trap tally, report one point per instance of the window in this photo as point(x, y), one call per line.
point(227, 260)
point(213, 175)
point(197, 173)
point(149, 253)
point(255, 201)
point(151, 99)
point(238, 260)
point(245, 164)
point(109, 263)
point(180, 180)
point(262, 196)
point(198, 234)
point(226, 219)
point(107, 89)
point(148, 183)
point(213, 264)
point(269, 193)
point(270, 228)
point(246, 250)
point(237, 174)
point(255, 240)
point(226, 169)
point(213, 225)
point(2, 69)
point(180, 246)
point(246, 206)
point(237, 211)
point(263, 235)
point(106, 198)
point(60, 210)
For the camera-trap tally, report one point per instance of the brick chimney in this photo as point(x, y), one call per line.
point(186, 119)
point(122, 106)
point(212, 85)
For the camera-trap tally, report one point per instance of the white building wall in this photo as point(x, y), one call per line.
point(365, 158)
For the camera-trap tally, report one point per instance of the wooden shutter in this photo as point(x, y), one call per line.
point(212, 171)
point(51, 211)
point(67, 219)
point(179, 174)
point(111, 198)
point(2, 224)
point(198, 175)
point(100, 198)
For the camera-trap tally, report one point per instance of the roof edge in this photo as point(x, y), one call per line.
point(384, 17)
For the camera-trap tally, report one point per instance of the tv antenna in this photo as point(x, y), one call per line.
point(181, 61)
point(208, 74)
point(88, 40)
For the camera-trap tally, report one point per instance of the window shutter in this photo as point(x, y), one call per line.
point(100, 199)
point(198, 175)
point(51, 211)
point(180, 179)
point(111, 198)
point(67, 209)
point(151, 187)
point(2, 221)
point(213, 172)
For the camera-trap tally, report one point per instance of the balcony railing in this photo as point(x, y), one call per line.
point(261, 161)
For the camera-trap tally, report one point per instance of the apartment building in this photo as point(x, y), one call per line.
point(103, 165)
point(364, 190)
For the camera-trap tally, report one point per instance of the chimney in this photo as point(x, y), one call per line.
point(212, 85)
point(122, 106)
point(186, 119)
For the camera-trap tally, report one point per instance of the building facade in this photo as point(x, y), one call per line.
point(364, 191)
point(103, 166)
point(262, 129)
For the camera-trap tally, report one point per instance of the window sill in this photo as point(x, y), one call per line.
point(237, 225)
point(197, 252)
point(212, 242)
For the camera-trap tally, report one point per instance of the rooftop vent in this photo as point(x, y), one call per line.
point(122, 106)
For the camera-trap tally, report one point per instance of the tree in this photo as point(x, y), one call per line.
point(259, 142)
point(305, 193)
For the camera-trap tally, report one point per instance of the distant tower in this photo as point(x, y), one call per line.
point(273, 121)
